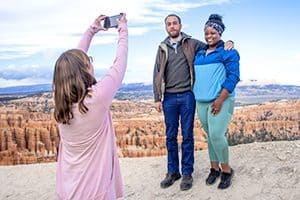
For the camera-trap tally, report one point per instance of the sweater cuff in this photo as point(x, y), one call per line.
point(93, 29)
point(121, 27)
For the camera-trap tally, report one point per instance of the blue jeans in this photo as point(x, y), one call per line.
point(180, 106)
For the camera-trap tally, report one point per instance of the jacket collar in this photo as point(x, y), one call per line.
point(183, 35)
point(219, 45)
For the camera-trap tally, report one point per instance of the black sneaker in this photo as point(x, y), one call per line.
point(170, 179)
point(186, 182)
point(226, 179)
point(213, 176)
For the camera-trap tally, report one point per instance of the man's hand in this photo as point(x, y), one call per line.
point(229, 45)
point(158, 106)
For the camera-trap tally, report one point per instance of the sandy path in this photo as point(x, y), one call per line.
point(264, 171)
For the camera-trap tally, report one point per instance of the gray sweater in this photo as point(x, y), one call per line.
point(175, 66)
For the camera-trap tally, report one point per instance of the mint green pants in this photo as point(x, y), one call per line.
point(216, 126)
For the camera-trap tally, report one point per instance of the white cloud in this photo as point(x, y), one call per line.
point(43, 28)
point(33, 25)
point(295, 58)
point(20, 82)
point(19, 72)
point(282, 68)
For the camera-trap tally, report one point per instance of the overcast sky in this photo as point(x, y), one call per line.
point(34, 33)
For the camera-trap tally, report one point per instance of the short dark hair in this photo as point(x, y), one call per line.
point(173, 15)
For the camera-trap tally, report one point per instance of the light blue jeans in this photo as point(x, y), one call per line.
point(216, 126)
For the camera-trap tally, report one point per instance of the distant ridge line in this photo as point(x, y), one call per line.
point(26, 89)
point(245, 94)
point(125, 87)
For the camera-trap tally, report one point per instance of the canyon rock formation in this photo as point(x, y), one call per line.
point(29, 134)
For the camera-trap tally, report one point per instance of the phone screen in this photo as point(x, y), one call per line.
point(110, 22)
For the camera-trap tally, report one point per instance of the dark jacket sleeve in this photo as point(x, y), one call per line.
point(155, 74)
point(199, 45)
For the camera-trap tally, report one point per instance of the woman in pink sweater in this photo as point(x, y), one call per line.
point(88, 165)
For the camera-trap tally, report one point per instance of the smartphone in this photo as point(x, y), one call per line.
point(110, 22)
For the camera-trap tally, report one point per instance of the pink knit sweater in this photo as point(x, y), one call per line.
point(88, 165)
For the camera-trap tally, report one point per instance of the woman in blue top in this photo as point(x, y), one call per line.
point(216, 75)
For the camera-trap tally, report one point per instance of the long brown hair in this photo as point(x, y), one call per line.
point(72, 81)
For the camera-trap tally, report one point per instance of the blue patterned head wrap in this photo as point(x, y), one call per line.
point(215, 21)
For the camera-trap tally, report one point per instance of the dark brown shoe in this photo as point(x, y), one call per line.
point(186, 182)
point(170, 179)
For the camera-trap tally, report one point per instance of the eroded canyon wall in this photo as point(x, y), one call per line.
point(29, 134)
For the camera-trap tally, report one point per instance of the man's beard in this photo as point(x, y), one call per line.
point(174, 35)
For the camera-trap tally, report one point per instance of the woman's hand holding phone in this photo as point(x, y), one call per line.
point(97, 25)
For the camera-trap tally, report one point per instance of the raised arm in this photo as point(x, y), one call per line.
point(86, 39)
point(112, 80)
